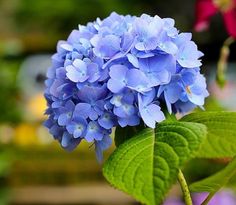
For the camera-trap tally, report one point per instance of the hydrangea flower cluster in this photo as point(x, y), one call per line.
point(118, 72)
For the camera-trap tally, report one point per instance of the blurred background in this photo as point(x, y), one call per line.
point(33, 167)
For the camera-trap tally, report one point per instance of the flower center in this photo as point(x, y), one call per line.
point(79, 127)
point(93, 127)
point(188, 90)
point(69, 114)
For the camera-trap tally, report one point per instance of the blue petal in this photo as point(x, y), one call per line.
point(106, 121)
point(77, 127)
point(65, 140)
point(137, 80)
point(93, 115)
point(63, 47)
point(128, 97)
point(82, 110)
point(93, 72)
point(140, 46)
point(182, 38)
point(188, 55)
point(196, 99)
point(118, 72)
point(54, 87)
point(168, 104)
point(133, 120)
point(92, 93)
point(56, 131)
point(147, 97)
point(76, 75)
point(61, 73)
point(108, 46)
point(116, 100)
point(188, 76)
point(57, 62)
point(151, 43)
point(189, 63)
point(71, 127)
point(173, 92)
point(127, 42)
point(160, 78)
point(102, 145)
point(69, 105)
point(168, 47)
point(133, 60)
point(68, 142)
point(80, 64)
point(93, 132)
point(124, 111)
point(115, 86)
point(64, 118)
point(74, 37)
point(158, 68)
point(150, 113)
point(78, 133)
point(184, 107)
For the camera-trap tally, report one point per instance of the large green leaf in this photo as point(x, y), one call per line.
point(221, 129)
point(216, 181)
point(146, 165)
point(124, 133)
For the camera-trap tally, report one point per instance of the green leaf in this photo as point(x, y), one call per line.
point(146, 165)
point(221, 137)
point(215, 182)
point(124, 133)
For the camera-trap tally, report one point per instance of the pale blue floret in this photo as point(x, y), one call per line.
point(149, 110)
point(77, 127)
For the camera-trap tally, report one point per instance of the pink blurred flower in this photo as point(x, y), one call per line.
point(225, 197)
point(205, 9)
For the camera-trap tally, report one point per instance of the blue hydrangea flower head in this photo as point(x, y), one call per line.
point(120, 71)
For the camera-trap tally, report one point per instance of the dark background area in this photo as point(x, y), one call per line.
point(39, 24)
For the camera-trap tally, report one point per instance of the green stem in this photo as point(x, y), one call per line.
point(209, 197)
point(185, 189)
point(228, 41)
point(222, 62)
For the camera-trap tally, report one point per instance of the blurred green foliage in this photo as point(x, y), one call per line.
point(51, 165)
point(5, 164)
point(198, 169)
point(66, 14)
point(5, 161)
point(39, 24)
point(10, 112)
